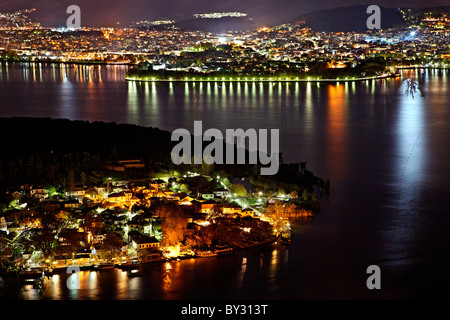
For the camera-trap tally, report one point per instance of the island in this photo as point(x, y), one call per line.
point(67, 200)
point(261, 70)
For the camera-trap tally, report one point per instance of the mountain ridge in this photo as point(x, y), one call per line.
point(121, 13)
point(265, 13)
point(347, 19)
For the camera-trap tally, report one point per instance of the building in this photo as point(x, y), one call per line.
point(248, 212)
point(70, 204)
point(186, 201)
point(208, 207)
point(76, 193)
point(145, 242)
point(4, 225)
point(101, 190)
point(158, 184)
point(208, 196)
point(117, 198)
point(230, 209)
point(221, 193)
point(38, 192)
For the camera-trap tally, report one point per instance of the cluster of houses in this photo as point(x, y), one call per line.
point(113, 204)
point(121, 194)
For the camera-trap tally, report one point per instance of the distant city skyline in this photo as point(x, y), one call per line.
point(104, 13)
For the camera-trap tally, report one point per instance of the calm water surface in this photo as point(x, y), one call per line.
point(385, 153)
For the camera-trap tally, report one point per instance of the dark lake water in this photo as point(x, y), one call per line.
point(387, 156)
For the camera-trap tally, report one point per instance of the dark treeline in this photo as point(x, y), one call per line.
point(265, 70)
point(62, 151)
point(65, 153)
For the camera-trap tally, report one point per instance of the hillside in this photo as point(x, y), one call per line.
point(60, 151)
point(216, 25)
point(122, 13)
point(347, 19)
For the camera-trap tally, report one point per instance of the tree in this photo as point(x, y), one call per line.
point(225, 231)
point(111, 246)
point(51, 190)
point(30, 167)
point(238, 189)
point(70, 179)
point(83, 178)
point(303, 166)
point(185, 188)
point(43, 240)
point(258, 230)
point(38, 165)
point(411, 87)
point(226, 182)
point(2, 172)
point(44, 237)
point(281, 210)
point(173, 225)
point(92, 223)
point(5, 251)
point(51, 171)
point(71, 240)
point(276, 210)
point(207, 169)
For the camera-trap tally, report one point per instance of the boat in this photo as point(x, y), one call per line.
point(215, 252)
point(129, 265)
point(153, 257)
point(31, 274)
point(105, 266)
point(224, 250)
point(205, 254)
point(86, 267)
point(59, 269)
point(186, 256)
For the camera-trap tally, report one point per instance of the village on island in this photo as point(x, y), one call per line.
point(127, 223)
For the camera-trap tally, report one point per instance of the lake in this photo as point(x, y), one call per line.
point(386, 154)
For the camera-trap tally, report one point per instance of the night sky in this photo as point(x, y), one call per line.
point(112, 12)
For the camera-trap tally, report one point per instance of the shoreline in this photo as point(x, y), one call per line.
point(254, 79)
point(50, 271)
point(88, 63)
point(423, 67)
point(266, 80)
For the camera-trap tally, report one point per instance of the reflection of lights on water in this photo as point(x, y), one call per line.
point(412, 159)
point(243, 269)
point(410, 129)
point(93, 279)
point(274, 263)
point(167, 280)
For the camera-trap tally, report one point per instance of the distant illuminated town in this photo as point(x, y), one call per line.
point(74, 209)
point(218, 15)
point(424, 42)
